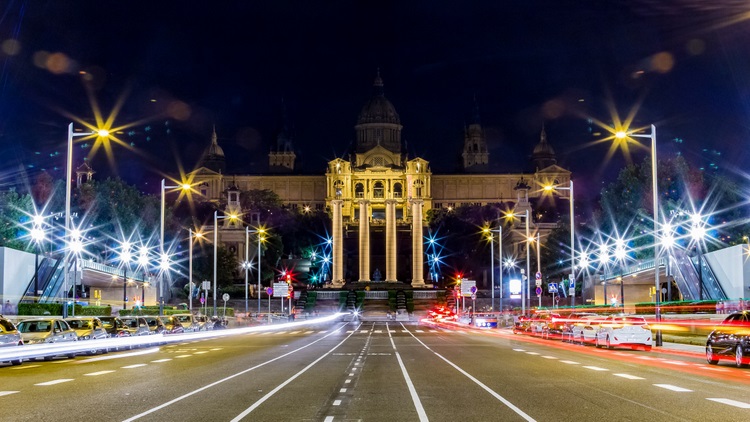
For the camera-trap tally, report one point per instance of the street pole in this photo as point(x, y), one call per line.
point(125, 287)
point(216, 240)
point(500, 254)
point(572, 247)
point(161, 252)
point(259, 250)
point(190, 270)
point(528, 266)
point(492, 269)
point(538, 261)
point(246, 264)
point(655, 188)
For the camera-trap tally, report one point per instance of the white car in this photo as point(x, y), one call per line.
point(625, 331)
point(583, 330)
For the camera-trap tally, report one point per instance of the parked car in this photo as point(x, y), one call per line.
point(540, 322)
point(203, 322)
point(87, 327)
point(730, 340)
point(46, 330)
point(171, 325)
point(626, 331)
point(522, 325)
point(9, 337)
point(154, 324)
point(136, 326)
point(583, 330)
point(114, 326)
point(188, 322)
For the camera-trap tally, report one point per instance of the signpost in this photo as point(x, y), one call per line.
point(538, 276)
point(269, 292)
point(225, 296)
point(552, 288)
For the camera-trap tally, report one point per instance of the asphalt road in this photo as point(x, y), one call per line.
point(375, 371)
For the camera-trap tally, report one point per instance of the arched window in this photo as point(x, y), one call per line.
point(397, 190)
point(359, 190)
point(378, 191)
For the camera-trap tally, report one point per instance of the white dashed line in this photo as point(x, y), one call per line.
point(364, 331)
point(628, 376)
point(343, 390)
point(570, 362)
point(347, 381)
point(60, 381)
point(137, 365)
point(596, 368)
point(378, 331)
point(675, 362)
point(646, 358)
point(94, 374)
point(328, 419)
point(532, 353)
point(404, 331)
point(673, 388)
point(549, 357)
point(734, 403)
point(622, 354)
point(215, 349)
point(294, 332)
point(419, 331)
point(201, 352)
point(337, 402)
point(519, 350)
point(7, 393)
point(182, 356)
point(160, 360)
point(710, 368)
point(433, 331)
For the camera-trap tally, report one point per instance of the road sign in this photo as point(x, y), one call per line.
point(466, 286)
point(539, 283)
point(206, 285)
point(225, 296)
point(269, 291)
point(538, 291)
point(473, 296)
point(280, 289)
point(538, 275)
point(552, 287)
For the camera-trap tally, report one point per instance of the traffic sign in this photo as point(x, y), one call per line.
point(280, 289)
point(225, 296)
point(538, 291)
point(473, 296)
point(539, 283)
point(552, 287)
point(206, 285)
point(466, 286)
point(538, 275)
point(269, 291)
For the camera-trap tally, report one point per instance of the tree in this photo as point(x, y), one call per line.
point(15, 211)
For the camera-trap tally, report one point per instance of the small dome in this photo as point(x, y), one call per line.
point(215, 149)
point(378, 109)
point(543, 149)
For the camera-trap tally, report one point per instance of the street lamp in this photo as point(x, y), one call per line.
point(572, 237)
point(216, 241)
point(697, 233)
point(102, 133)
point(528, 263)
point(196, 235)
point(143, 263)
point(620, 134)
point(38, 236)
point(490, 236)
point(620, 255)
point(183, 186)
point(125, 257)
point(603, 259)
point(260, 231)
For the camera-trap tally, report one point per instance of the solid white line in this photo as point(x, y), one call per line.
point(93, 374)
point(502, 399)
point(206, 387)
point(412, 391)
point(734, 403)
point(336, 402)
point(55, 381)
point(673, 388)
point(285, 383)
point(137, 365)
point(7, 393)
point(628, 376)
point(596, 368)
point(570, 362)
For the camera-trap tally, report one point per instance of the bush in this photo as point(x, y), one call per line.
point(57, 309)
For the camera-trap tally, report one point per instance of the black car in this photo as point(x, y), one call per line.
point(730, 340)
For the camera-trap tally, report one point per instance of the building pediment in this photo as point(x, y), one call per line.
point(204, 171)
point(378, 157)
point(554, 169)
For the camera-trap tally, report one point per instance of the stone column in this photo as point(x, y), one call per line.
point(364, 240)
point(417, 244)
point(390, 240)
point(337, 273)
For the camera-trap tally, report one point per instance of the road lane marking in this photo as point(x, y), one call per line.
point(264, 398)
point(160, 360)
point(710, 368)
point(201, 352)
point(94, 374)
point(137, 365)
point(549, 357)
point(328, 419)
point(364, 331)
point(623, 354)
point(16, 368)
point(673, 388)
point(502, 399)
point(596, 368)
point(419, 331)
point(216, 348)
point(347, 381)
point(293, 332)
point(182, 356)
point(119, 355)
point(7, 393)
point(675, 362)
point(378, 331)
point(519, 350)
point(60, 381)
point(628, 376)
point(532, 353)
point(570, 362)
point(409, 384)
point(343, 390)
point(734, 403)
point(337, 402)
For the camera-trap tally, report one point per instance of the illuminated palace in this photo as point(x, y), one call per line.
point(378, 197)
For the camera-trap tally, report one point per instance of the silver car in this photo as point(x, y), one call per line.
point(137, 326)
point(87, 328)
point(46, 330)
point(9, 336)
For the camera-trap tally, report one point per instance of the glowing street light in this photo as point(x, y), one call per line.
point(184, 187)
point(125, 257)
point(216, 241)
point(490, 235)
point(528, 263)
point(697, 234)
point(551, 188)
point(37, 236)
point(192, 235)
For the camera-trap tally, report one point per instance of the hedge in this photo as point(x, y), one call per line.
point(57, 309)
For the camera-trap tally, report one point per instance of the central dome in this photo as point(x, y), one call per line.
point(378, 109)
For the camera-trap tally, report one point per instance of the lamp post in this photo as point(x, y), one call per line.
point(143, 263)
point(604, 263)
point(184, 186)
point(655, 198)
point(572, 236)
point(620, 255)
point(192, 235)
point(491, 237)
point(216, 241)
point(246, 264)
point(125, 257)
point(68, 182)
point(260, 232)
point(697, 233)
point(37, 235)
point(75, 246)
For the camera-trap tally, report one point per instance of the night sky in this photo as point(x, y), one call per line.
point(182, 67)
